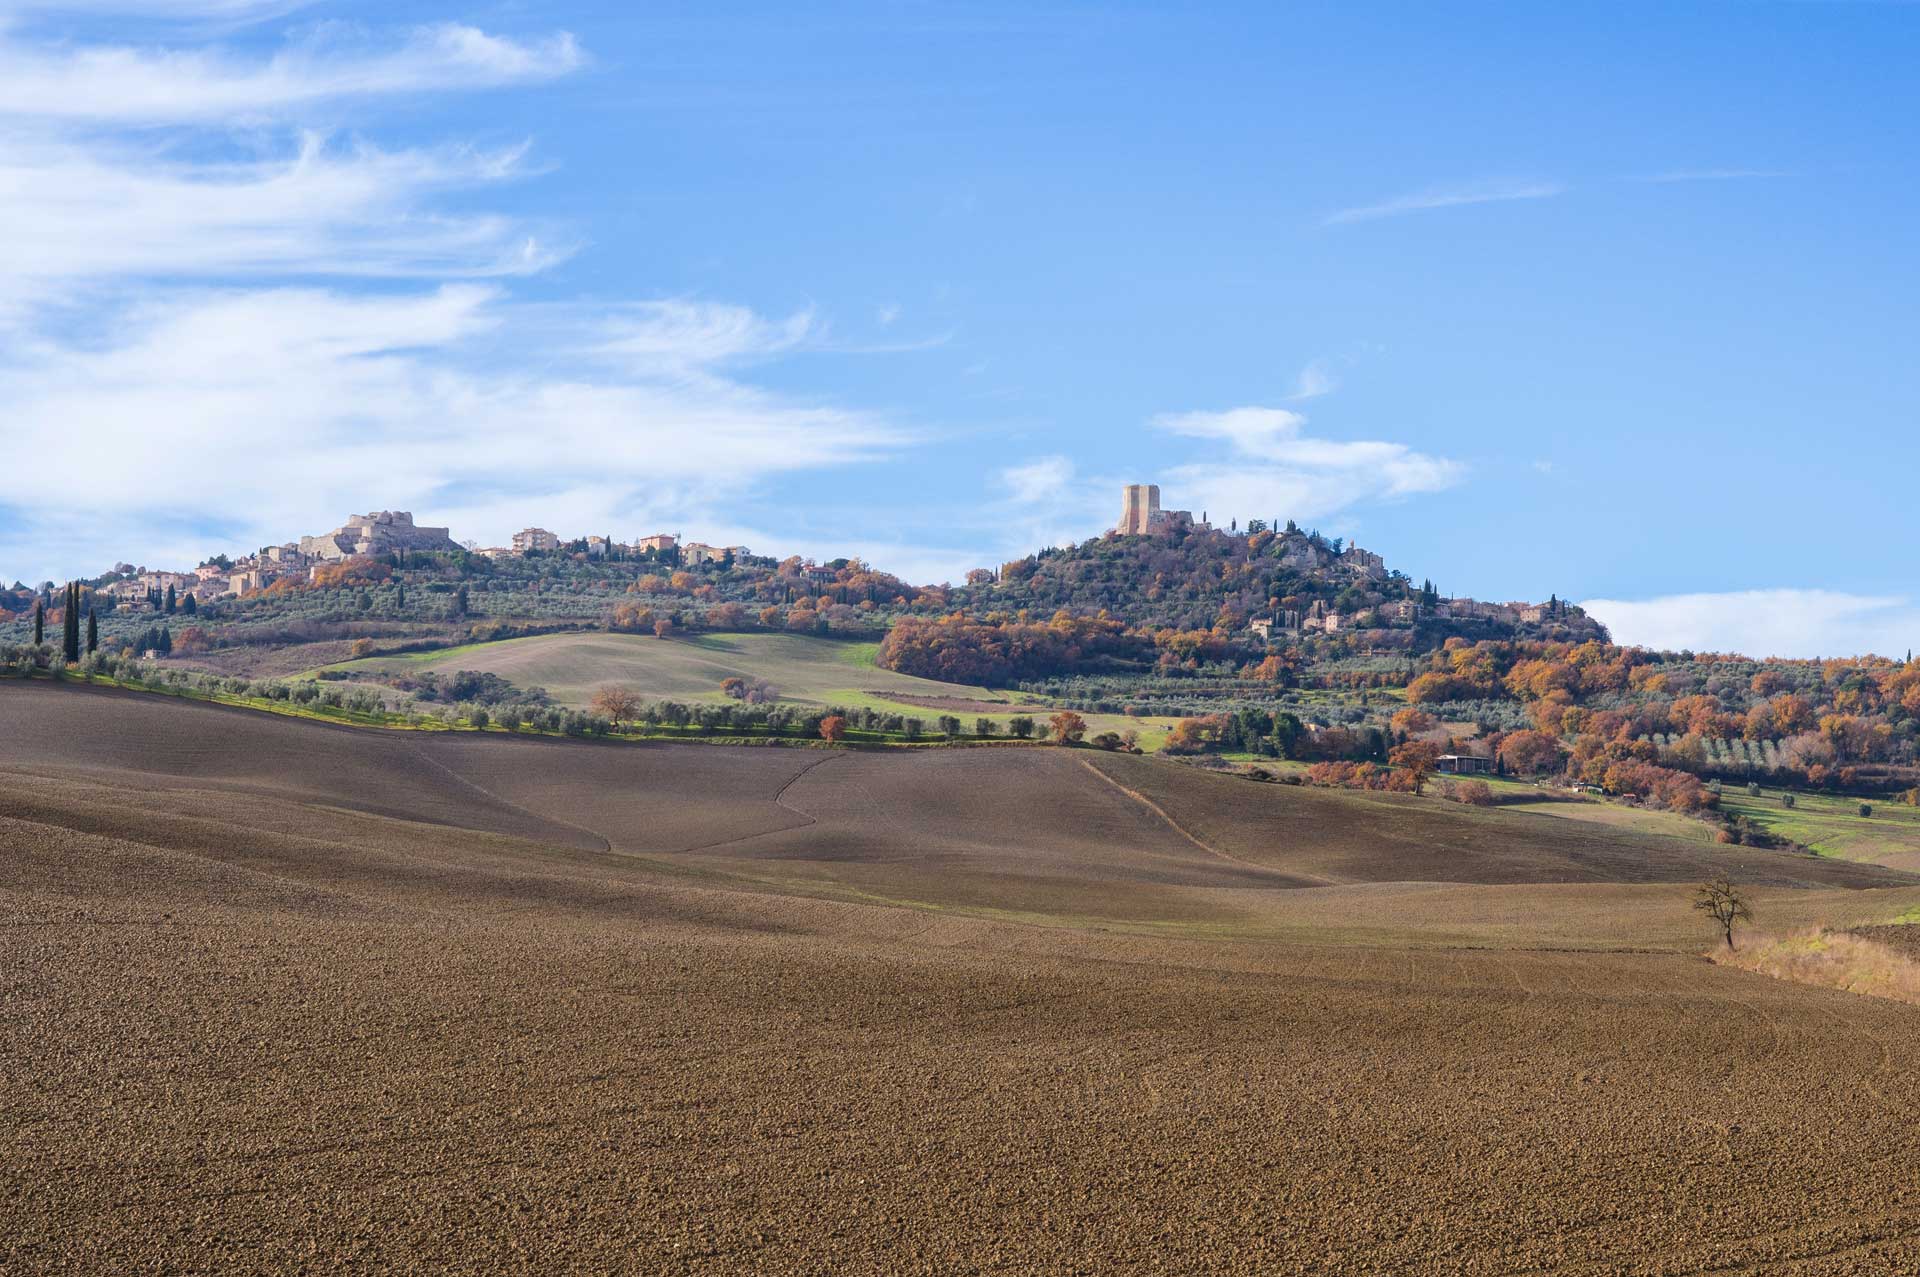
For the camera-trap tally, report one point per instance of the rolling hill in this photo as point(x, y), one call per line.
point(802, 668)
point(286, 995)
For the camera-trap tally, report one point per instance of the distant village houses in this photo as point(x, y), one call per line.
point(531, 539)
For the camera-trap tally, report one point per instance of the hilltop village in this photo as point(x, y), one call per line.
point(1259, 582)
point(377, 535)
point(1269, 640)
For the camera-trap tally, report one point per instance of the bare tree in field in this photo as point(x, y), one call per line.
point(1722, 901)
point(617, 704)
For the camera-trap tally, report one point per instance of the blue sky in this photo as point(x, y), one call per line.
point(1615, 301)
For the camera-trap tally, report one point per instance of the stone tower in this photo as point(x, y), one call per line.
point(1139, 509)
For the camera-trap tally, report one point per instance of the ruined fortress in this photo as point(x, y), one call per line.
point(1141, 515)
point(378, 533)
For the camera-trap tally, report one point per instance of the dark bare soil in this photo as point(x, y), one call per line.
point(1903, 939)
point(277, 996)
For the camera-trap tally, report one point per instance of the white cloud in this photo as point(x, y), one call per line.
point(1448, 197)
point(285, 409)
point(887, 315)
point(1041, 479)
point(1316, 379)
point(1279, 470)
point(1257, 431)
point(685, 335)
point(123, 84)
point(90, 212)
point(162, 223)
point(1759, 623)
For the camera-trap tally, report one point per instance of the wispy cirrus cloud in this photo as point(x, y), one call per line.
point(167, 85)
point(100, 211)
point(1316, 379)
point(1276, 467)
point(452, 400)
point(1040, 479)
point(237, 325)
point(1452, 196)
point(1762, 623)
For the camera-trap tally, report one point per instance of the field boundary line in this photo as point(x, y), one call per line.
point(1187, 834)
point(606, 843)
point(779, 800)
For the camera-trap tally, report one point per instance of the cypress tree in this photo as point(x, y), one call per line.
point(70, 626)
point(172, 600)
point(93, 632)
point(39, 622)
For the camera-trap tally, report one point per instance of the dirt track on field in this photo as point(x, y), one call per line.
point(282, 996)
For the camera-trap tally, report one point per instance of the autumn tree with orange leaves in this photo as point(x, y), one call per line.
point(615, 704)
point(1418, 759)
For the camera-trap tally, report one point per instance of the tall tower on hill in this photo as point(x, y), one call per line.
point(1139, 509)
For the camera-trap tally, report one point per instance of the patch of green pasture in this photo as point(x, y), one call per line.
point(1830, 824)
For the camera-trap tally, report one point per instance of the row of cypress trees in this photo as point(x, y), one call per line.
point(70, 625)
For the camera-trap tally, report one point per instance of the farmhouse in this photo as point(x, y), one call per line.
point(1464, 765)
point(535, 539)
point(694, 553)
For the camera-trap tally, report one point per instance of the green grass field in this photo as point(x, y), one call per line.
point(1825, 823)
point(803, 670)
point(1833, 825)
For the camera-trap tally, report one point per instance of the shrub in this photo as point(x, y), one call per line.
point(1474, 793)
point(1866, 810)
point(1786, 800)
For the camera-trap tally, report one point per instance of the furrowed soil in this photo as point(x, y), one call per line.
point(571, 666)
point(276, 995)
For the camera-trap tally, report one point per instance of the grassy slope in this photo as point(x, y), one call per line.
point(803, 669)
point(1834, 827)
point(1829, 825)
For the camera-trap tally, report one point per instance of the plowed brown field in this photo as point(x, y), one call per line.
point(277, 996)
